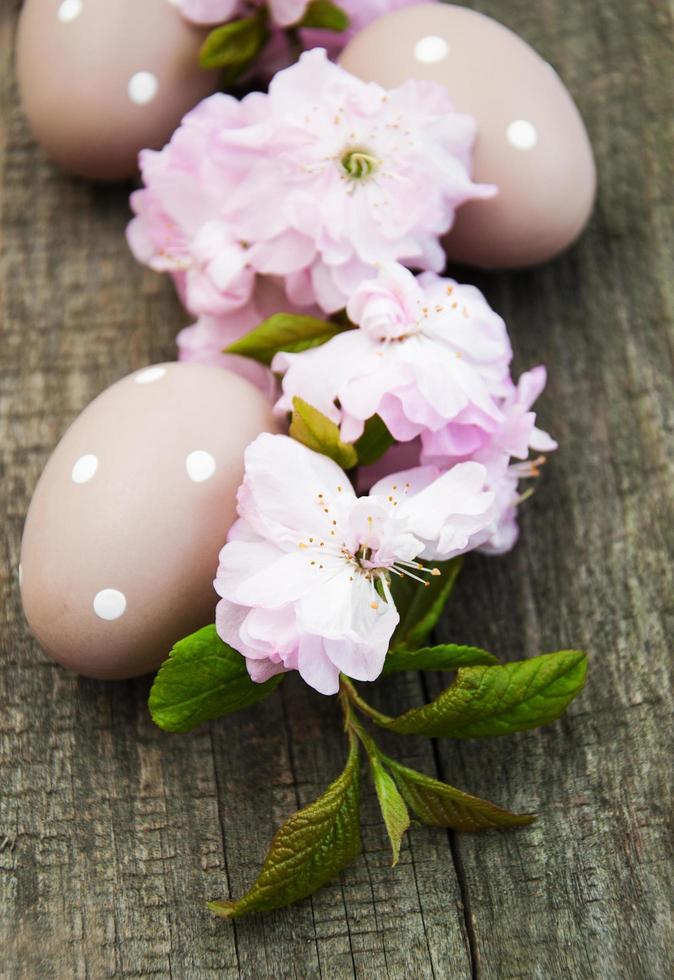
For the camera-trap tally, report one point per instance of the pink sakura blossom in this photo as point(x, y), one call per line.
point(182, 225)
point(365, 174)
point(305, 576)
point(317, 182)
point(210, 11)
point(283, 12)
point(429, 356)
point(514, 438)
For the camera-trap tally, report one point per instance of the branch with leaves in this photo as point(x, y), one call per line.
point(204, 678)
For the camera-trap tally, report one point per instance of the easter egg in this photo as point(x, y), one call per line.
point(531, 140)
point(102, 79)
point(122, 537)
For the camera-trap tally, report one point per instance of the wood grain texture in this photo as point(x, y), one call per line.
point(113, 834)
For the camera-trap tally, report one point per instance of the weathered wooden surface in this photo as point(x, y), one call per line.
point(112, 834)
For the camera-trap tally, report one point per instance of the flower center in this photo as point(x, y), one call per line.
point(403, 569)
point(359, 164)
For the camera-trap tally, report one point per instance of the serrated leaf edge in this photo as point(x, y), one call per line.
point(464, 672)
point(229, 908)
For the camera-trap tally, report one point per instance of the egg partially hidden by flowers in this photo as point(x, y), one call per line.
point(531, 141)
point(122, 537)
point(102, 79)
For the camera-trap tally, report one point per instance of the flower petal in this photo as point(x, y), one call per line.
point(290, 493)
point(315, 667)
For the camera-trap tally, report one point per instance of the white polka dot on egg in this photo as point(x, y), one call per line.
point(84, 468)
point(429, 50)
point(69, 10)
point(148, 375)
point(109, 604)
point(522, 134)
point(143, 87)
point(200, 466)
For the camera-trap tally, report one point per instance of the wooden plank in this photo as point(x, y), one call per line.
point(586, 892)
point(113, 835)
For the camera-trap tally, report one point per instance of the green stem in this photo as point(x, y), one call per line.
point(354, 727)
point(349, 691)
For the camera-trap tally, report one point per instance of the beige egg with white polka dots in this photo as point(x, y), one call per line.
point(531, 141)
point(102, 79)
point(123, 533)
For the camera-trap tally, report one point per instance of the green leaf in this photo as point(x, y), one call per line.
point(421, 606)
point(203, 678)
point(447, 656)
point(312, 847)
point(236, 44)
point(284, 332)
point(374, 442)
point(440, 805)
point(318, 432)
point(325, 14)
point(392, 806)
point(486, 701)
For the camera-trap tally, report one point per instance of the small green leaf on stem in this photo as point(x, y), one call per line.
point(318, 432)
point(441, 805)
point(202, 679)
point(486, 701)
point(289, 332)
point(374, 442)
point(326, 15)
point(312, 847)
point(447, 656)
point(392, 805)
point(236, 44)
point(420, 606)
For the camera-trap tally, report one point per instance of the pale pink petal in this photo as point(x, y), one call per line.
point(291, 489)
point(315, 667)
point(270, 631)
point(262, 670)
point(541, 442)
point(287, 12)
point(209, 11)
point(284, 580)
point(229, 618)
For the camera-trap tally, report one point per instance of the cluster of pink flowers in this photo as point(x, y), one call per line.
point(304, 577)
point(314, 183)
point(432, 359)
point(319, 197)
point(299, 575)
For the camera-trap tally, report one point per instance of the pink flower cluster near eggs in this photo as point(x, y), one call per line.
point(299, 575)
point(319, 197)
point(432, 359)
point(316, 182)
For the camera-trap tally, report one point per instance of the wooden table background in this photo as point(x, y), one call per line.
point(113, 834)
